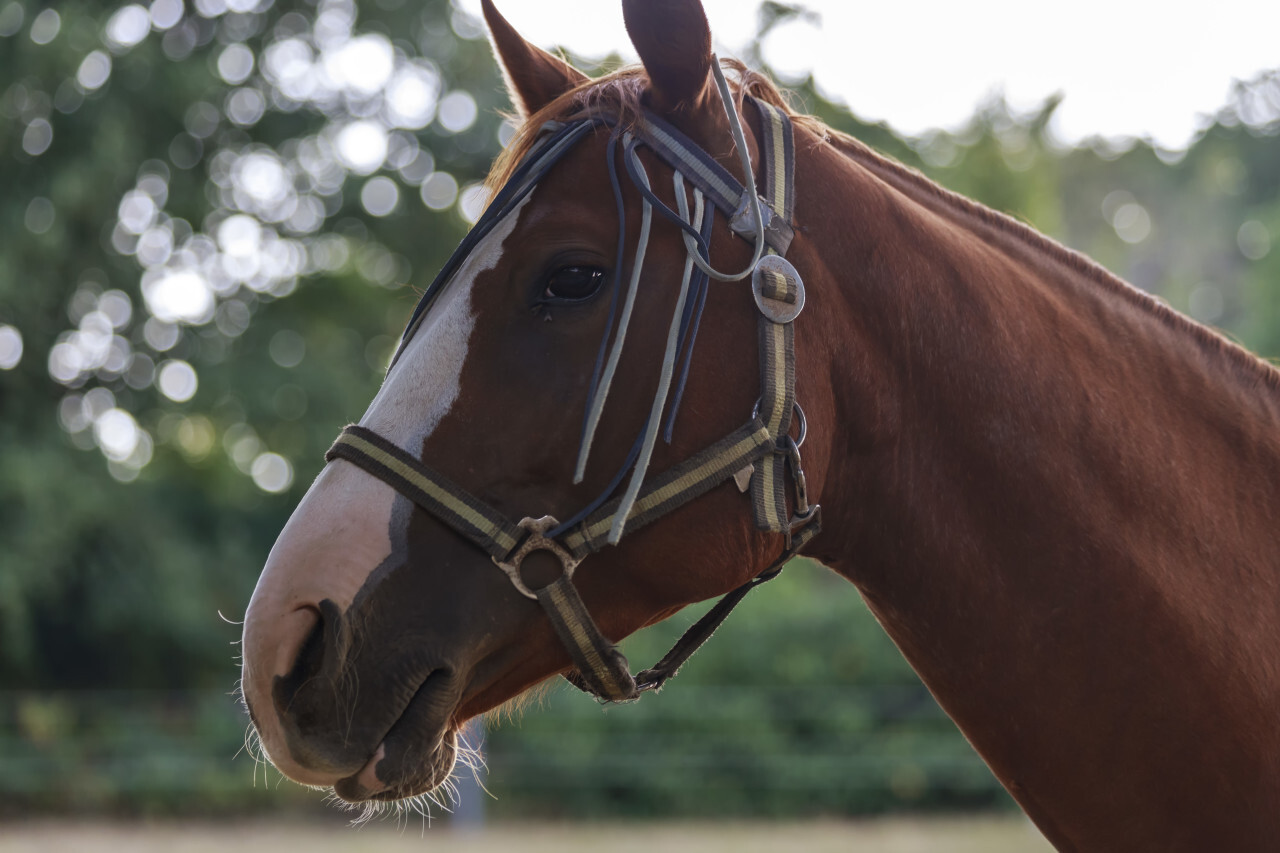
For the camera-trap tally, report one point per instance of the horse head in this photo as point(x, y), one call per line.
point(559, 366)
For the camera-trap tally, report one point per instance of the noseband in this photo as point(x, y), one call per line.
point(760, 455)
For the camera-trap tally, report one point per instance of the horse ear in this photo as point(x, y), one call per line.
point(535, 78)
point(674, 43)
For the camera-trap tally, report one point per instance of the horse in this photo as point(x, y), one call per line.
point(695, 332)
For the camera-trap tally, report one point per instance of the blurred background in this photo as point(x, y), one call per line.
point(215, 217)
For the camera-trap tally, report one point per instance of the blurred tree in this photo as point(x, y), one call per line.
point(221, 206)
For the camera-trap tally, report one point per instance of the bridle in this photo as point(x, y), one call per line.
point(760, 456)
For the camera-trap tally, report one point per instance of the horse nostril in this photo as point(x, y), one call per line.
point(307, 661)
point(299, 652)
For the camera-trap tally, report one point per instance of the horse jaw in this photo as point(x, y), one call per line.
point(348, 526)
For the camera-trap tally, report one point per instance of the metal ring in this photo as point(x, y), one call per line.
point(536, 541)
point(804, 422)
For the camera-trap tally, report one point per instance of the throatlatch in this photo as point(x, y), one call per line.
point(760, 456)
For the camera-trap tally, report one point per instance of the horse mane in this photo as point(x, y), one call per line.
point(619, 95)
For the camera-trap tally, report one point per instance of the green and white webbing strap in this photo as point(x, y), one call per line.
point(602, 668)
point(777, 377)
point(432, 491)
point(777, 151)
point(599, 668)
point(777, 339)
point(675, 486)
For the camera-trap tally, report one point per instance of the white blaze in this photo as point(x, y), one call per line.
point(343, 529)
point(425, 382)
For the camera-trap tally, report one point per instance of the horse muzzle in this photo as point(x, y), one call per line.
point(325, 720)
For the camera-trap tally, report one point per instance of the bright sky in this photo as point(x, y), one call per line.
point(1127, 67)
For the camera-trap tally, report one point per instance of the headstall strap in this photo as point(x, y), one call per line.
point(779, 294)
point(760, 455)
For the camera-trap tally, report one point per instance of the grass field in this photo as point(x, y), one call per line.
point(894, 835)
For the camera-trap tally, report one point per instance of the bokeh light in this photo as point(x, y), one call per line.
point(159, 335)
point(1132, 222)
point(471, 201)
point(11, 17)
point(411, 96)
point(457, 111)
point(10, 347)
point(245, 106)
point(195, 436)
point(46, 26)
point(177, 380)
point(235, 63)
point(179, 296)
point(379, 196)
point(128, 26)
point(271, 472)
point(362, 146)
point(270, 204)
point(362, 64)
point(1206, 303)
point(116, 433)
point(287, 348)
point(1254, 240)
point(37, 138)
point(94, 70)
point(165, 14)
point(40, 215)
point(439, 191)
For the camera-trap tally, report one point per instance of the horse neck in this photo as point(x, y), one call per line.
point(1050, 489)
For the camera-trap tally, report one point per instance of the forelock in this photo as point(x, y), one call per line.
point(619, 97)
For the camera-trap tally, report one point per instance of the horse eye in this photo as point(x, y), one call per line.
point(573, 284)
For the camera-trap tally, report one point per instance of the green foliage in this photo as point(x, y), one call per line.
point(116, 565)
point(135, 752)
point(799, 705)
point(111, 583)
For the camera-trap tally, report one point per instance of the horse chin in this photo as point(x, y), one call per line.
point(416, 754)
point(412, 779)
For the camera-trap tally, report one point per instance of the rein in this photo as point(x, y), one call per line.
point(759, 456)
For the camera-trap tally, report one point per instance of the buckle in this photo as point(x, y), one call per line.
point(536, 541)
point(777, 232)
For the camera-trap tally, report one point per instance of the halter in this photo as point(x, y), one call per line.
point(758, 456)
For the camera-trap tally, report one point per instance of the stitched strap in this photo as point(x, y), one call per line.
point(675, 486)
point(777, 152)
point(721, 188)
point(432, 491)
point(602, 670)
point(777, 340)
point(777, 377)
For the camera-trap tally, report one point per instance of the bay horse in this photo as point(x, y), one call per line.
point(1058, 496)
